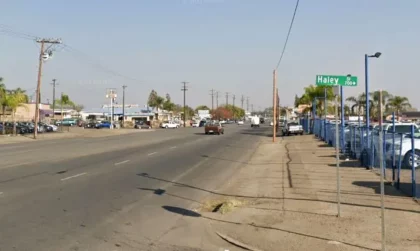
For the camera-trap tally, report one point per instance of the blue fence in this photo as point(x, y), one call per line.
point(400, 149)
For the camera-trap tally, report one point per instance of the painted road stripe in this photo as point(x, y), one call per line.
point(122, 162)
point(150, 154)
point(172, 147)
point(74, 176)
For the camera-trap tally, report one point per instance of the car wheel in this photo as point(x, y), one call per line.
point(408, 159)
point(166, 127)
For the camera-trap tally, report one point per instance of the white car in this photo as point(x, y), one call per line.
point(271, 123)
point(240, 122)
point(196, 124)
point(54, 127)
point(169, 124)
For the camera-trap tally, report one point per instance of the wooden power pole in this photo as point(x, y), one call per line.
point(274, 105)
point(43, 55)
point(184, 89)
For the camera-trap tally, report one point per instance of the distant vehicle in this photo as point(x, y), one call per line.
point(293, 128)
point(240, 122)
point(255, 121)
point(262, 120)
point(169, 124)
point(142, 125)
point(196, 124)
point(103, 124)
point(90, 125)
point(202, 123)
point(214, 128)
point(271, 123)
point(67, 122)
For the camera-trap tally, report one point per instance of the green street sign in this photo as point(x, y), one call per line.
point(329, 80)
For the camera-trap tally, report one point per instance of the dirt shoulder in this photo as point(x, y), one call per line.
point(73, 132)
point(284, 198)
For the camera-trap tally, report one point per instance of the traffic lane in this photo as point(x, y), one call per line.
point(140, 134)
point(66, 210)
point(80, 147)
point(18, 180)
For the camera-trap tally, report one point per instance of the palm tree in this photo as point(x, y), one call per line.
point(78, 109)
point(13, 101)
point(358, 102)
point(374, 107)
point(3, 102)
point(399, 103)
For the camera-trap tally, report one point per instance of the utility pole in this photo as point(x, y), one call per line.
point(274, 105)
point(233, 103)
point(54, 84)
point(123, 108)
point(217, 100)
point(184, 89)
point(42, 56)
point(227, 98)
point(212, 93)
point(112, 95)
point(62, 117)
point(247, 104)
point(242, 102)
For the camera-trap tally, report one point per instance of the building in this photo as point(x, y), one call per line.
point(131, 113)
point(26, 112)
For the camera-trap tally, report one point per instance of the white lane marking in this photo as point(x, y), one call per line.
point(150, 154)
point(172, 147)
point(122, 162)
point(74, 176)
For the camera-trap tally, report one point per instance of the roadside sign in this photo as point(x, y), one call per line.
point(331, 80)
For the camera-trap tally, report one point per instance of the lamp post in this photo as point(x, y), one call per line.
point(376, 55)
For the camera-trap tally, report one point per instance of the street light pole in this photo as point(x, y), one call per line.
point(376, 55)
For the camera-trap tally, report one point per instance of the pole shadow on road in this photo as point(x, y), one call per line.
point(146, 175)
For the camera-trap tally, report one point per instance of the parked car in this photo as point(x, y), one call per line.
point(90, 125)
point(141, 125)
point(103, 124)
point(195, 124)
point(214, 128)
point(240, 122)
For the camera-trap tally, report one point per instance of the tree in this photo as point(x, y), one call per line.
point(399, 103)
point(159, 101)
point(315, 93)
point(297, 100)
point(222, 113)
point(151, 101)
point(359, 102)
point(78, 109)
point(167, 104)
point(202, 107)
point(236, 112)
point(3, 103)
point(13, 101)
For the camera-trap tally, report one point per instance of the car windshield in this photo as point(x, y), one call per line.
point(293, 124)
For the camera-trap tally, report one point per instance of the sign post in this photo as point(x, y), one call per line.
point(337, 82)
point(333, 80)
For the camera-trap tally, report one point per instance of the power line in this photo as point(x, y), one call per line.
point(212, 93)
point(288, 34)
point(99, 66)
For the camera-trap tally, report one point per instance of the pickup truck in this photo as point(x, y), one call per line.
point(169, 124)
point(293, 128)
point(214, 128)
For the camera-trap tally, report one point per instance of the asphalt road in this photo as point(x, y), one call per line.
point(124, 192)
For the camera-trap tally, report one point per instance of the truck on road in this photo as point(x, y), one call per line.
point(293, 128)
point(255, 121)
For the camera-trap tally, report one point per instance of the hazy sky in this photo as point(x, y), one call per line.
point(229, 45)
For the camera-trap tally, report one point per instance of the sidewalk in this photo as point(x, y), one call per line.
point(285, 199)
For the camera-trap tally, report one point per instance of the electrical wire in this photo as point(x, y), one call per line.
point(9, 31)
point(288, 34)
point(68, 48)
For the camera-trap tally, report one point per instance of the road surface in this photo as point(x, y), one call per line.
point(114, 193)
